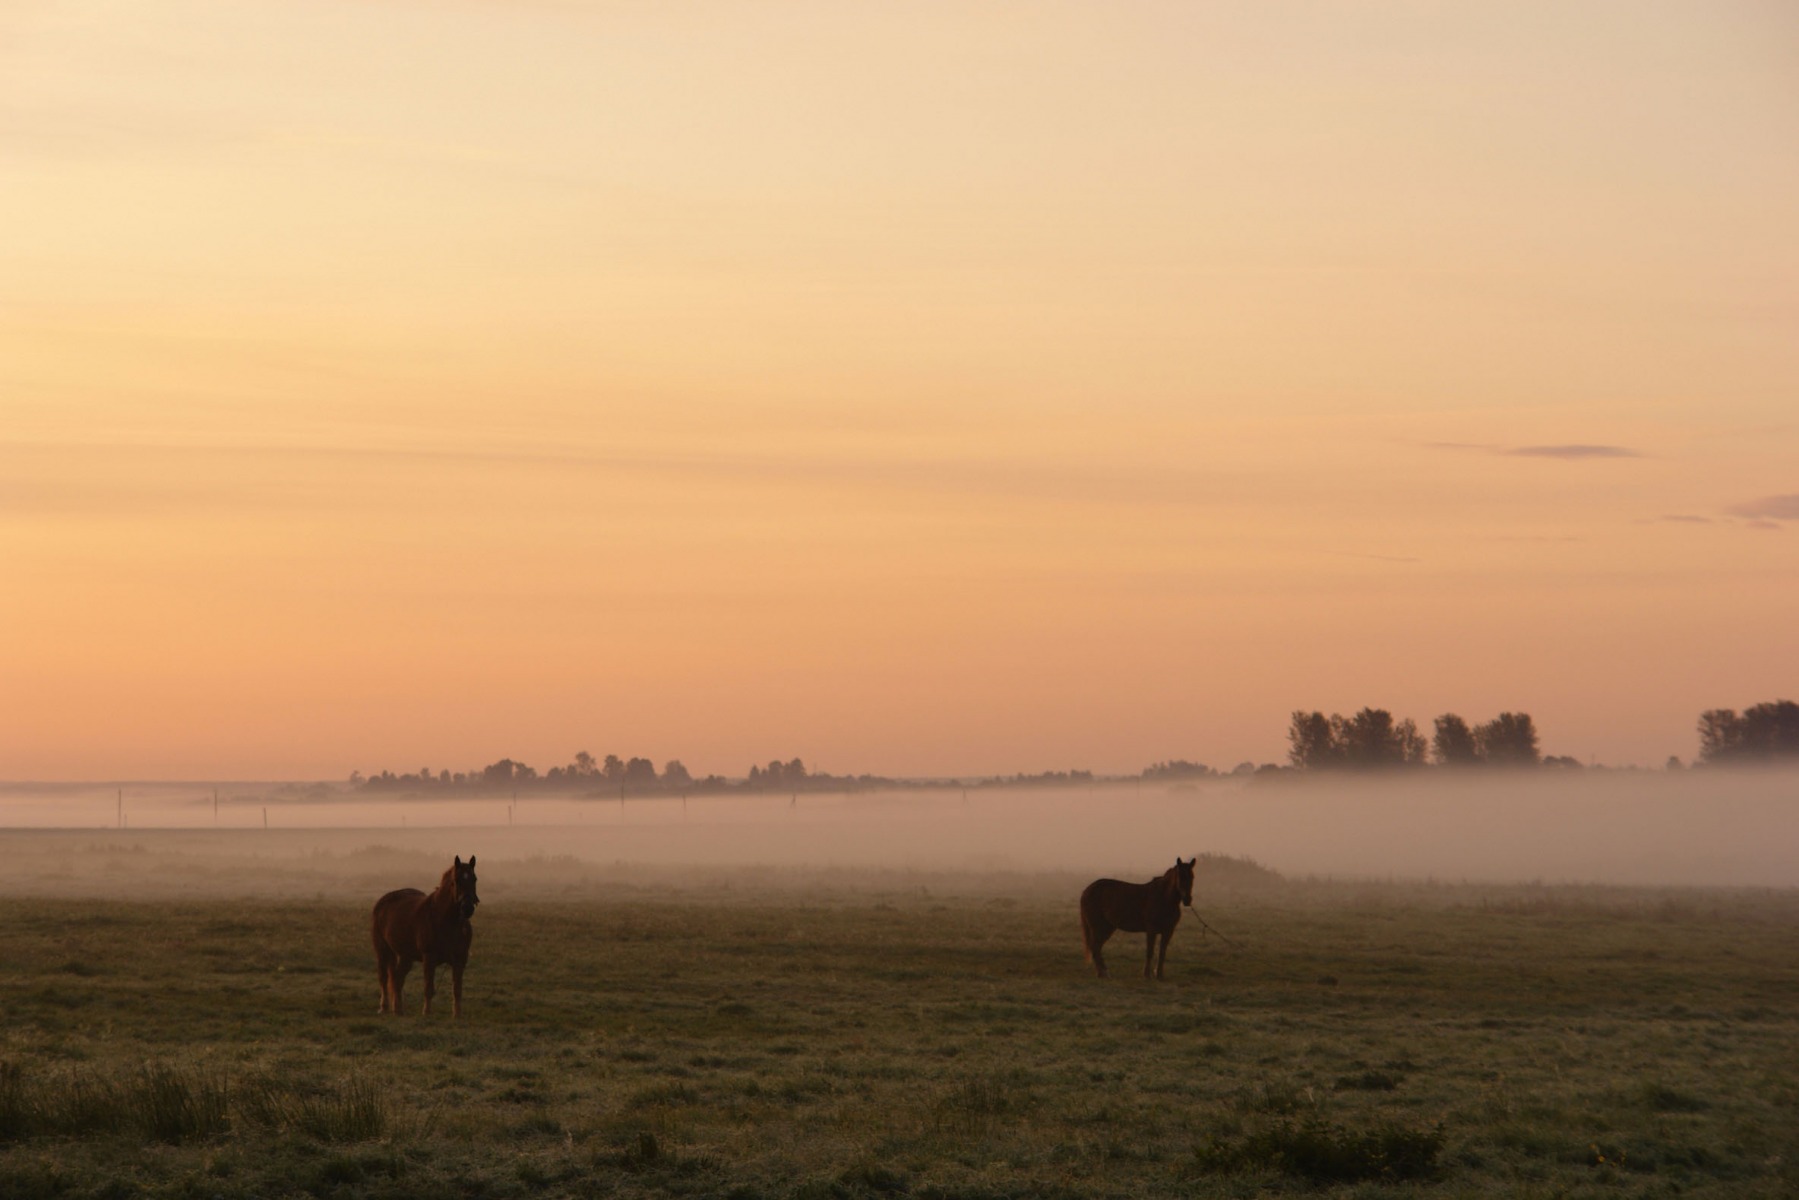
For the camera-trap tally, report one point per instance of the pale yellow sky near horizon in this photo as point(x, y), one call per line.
point(920, 389)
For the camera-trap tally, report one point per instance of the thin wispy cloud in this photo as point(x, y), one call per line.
point(1767, 509)
point(60, 479)
point(1570, 451)
point(1574, 450)
point(1392, 558)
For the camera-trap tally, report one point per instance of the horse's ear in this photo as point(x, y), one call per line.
point(459, 860)
point(471, 862)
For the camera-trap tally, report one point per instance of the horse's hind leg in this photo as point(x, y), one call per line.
point(1149, 956)
point(430, 984)
point(397, 973)
point(383, 977)
point(1097, 935)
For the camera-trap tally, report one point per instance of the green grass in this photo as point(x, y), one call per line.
point(894, 1039)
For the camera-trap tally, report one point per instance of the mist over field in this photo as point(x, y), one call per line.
point(1701, 828)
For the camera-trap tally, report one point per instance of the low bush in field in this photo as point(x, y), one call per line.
point(162, 1103)
point(356, 1110)
point(1328, 1153)
point(178, 1105)
point(975, 1104)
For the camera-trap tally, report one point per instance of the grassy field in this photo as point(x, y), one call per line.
point(917, 1036)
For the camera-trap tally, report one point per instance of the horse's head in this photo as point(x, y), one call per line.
point(1183, 878)
point(462, 886)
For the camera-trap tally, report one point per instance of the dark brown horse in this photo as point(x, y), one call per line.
point(1152, 908)
point(409, 927)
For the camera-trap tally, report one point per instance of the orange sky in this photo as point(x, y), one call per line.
point(914, 389)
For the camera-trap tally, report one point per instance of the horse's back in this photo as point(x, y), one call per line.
point(1119, 904)
point(1114, 900)
point(397, 899)
point(1099, 889)
point(387, 922)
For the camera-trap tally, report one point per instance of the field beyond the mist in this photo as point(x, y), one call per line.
point(927, 1036)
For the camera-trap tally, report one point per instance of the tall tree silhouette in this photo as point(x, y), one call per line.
point(1763, 733)
point(1454, 744)
point(1509, 740)
point(1311, 746)
point(1370, 740)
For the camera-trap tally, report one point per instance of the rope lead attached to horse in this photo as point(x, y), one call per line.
point(1205, 928)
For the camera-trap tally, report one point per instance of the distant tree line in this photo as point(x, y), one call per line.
point(778, 774)
point(1041, 779)
point(584, 773)
point(1372, 740)
point(1762, 733)
point(612, 776)
point(1176, 769)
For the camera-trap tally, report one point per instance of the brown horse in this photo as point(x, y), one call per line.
point(1152, 908)
point(409, 927)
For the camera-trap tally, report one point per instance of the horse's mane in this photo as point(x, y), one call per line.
point(444, 894)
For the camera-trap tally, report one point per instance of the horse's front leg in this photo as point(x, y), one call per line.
point(1163, 956)
point(1149, 953)
point(430, 982)
point(456, 966)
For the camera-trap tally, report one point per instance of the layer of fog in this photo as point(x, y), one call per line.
point(1629, 828)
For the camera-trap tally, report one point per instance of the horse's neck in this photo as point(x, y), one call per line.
point(443, 900)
